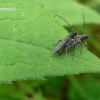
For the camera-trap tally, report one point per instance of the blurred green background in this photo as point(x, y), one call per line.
point(72, 87)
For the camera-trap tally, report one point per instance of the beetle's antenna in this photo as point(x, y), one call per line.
point(83, 21)
point(65, 21)
point(94, 35)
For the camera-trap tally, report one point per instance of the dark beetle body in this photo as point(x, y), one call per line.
point(63, 43)
point(70, 41)
point(74, 42)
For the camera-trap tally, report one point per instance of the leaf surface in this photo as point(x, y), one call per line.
point(71, 10)
point(27, 37)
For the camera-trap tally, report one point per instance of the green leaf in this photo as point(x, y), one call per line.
point(71, 11)
point(27, 36)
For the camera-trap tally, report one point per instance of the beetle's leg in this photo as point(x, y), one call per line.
point(57, 42)
point(79, 47)
point(73, 52)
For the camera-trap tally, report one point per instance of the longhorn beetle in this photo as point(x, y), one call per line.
point(72, 40)
point(62, 44)
point(79, 39)
point(75, 42)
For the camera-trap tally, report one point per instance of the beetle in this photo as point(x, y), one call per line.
point(79, 39)
point(62, 44)
point(74, 42)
